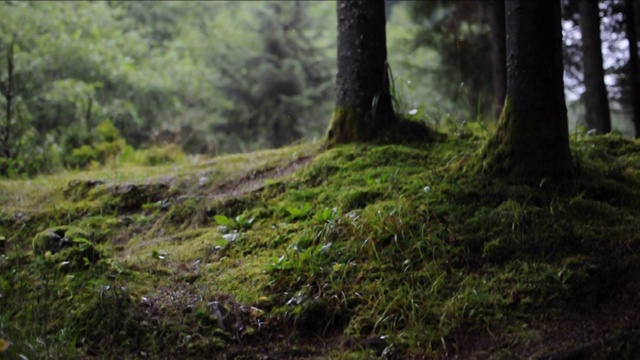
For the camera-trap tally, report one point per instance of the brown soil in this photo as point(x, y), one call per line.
point(254, 181)
point(248, 182)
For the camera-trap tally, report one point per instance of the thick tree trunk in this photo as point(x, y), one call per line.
point(596, 100)
point(532, 139)
point(498, 54)
point(363, 103)
point(633, 69)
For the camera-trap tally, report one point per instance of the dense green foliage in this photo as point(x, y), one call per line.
point(209, 77)
point(456, 36)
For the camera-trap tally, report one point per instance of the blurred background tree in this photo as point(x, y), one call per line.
point(441, 50)
point(616, 63)
point(278, 90)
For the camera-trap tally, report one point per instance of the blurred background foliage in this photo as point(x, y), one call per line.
point(98, 82)
point(209, 77)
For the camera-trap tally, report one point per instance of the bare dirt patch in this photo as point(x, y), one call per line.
point(254, 181)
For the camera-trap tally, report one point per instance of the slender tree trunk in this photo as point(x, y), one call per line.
point(531, 142)
point(636, 13)
point(363, 103)
point(633, 69)
point(498, 54)
point(596, 99)
point(8, 93)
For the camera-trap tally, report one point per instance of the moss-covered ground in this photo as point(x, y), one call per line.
point(357, 252)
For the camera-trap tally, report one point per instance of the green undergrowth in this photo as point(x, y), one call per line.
point(378, 250)
point(417, 254)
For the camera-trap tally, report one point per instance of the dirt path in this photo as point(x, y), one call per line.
point(255, 180)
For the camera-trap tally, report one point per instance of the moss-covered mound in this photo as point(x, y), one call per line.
point(360, 251)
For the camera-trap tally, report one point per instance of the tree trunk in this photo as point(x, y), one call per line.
point(531, 142)
point(7, 89)
point(596, 100)
point(633, 69)
point(363, 103)
point(498, 54)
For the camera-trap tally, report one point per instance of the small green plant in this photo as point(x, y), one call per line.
point(239, 223)
point(327, 215)
point(299, 212)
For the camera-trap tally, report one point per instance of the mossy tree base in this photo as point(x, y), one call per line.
point(522, 151)
point(347, 125)
point(531, 143)
point(363, 101)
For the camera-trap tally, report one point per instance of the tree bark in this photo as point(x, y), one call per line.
point(363, 104)
point(7, 90)
point(633, 70)
point(498, 54)
point(531, 142)
point(596, 99)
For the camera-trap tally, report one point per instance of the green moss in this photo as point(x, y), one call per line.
point(347, 125)
point(514, 155)
point(56, 238)
point(104, 228)
point(389, 242)
point(358, 198)
point(614, 144)
point(232, 206)
point(131, 197)
point(78, 189)
point(406, 131)
point(185, 214)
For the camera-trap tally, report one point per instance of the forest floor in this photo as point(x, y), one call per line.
point(362, 251)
